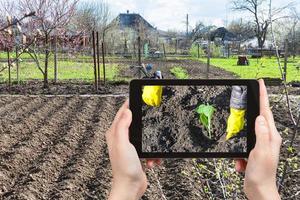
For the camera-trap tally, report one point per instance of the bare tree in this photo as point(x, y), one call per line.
point(201, 31)
point(295, 17)
point(92, 16)
point(50, 15)
point(242, 30)
point(257, 9)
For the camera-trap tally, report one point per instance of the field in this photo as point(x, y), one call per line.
point(258, 68)
point(53, 147)
point(174, 126)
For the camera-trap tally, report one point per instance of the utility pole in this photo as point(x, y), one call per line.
point(187, 26)
point(187, 29)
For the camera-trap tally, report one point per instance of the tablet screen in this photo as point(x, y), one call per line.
point(194, 118)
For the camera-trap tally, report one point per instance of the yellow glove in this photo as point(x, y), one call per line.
point(152, 95)
point(235, 123)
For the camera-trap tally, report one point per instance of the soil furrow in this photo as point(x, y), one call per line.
point(15, 166)
point(18, 134)
point(98, 186)
point(82, 164)
point(50, 162)
point(31, 105)
point(12, 107)
point(10, 129)
point(6, 100)
point(180, 186)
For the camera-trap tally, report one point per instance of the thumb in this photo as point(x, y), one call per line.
point(123, 124)
point(261, 131)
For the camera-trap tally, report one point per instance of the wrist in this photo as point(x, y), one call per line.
point(126, 191)
point(262, 192)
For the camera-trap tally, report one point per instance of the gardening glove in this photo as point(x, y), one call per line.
point(238, 105)
point(235, 122)
point(152, 95)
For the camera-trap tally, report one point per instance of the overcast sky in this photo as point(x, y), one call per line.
point(171, 14)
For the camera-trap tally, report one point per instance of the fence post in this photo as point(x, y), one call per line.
point(9, 74)
point(55, 59)
point(94, 57)
point(208, 59)
point(176, 44)
point(198, 46)
point(98, 57)
point(286, 43)
point(103, 62)
point(17, 65)
point(139, 52)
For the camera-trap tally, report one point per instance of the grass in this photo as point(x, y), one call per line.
point(67, 70)
point(179, 72)
point(258, 68)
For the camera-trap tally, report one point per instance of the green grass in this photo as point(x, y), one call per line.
point(258, 68)
point(179, 72)
point(66, 71)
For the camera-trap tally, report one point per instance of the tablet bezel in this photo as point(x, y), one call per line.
point(135, 104)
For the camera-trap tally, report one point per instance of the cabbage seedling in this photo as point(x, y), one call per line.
point(206, 113)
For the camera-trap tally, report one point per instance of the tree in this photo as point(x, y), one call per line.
point(257, 10)
point(295, 18)
point(50, 15)
point(243, 30)
point(93, 16)
point(202, 31)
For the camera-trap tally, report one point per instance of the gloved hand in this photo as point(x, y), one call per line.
point(238, 105)
point(152, 95)
point(235, 122)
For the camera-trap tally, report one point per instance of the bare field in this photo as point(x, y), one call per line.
point(53, 147)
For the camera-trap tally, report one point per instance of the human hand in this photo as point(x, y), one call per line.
point(129, 179)
point(260, 169)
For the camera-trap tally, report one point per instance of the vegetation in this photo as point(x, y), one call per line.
point(258, 68)
point(179, 72)
point(205, 116)
point(70, 70)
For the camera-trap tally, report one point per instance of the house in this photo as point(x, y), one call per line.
point(131, 20)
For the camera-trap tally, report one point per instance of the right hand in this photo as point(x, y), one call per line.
point(261, 167)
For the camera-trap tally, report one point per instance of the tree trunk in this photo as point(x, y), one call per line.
point(17, 65)
point(286, 42)
point(9, 71)
point(46, 62)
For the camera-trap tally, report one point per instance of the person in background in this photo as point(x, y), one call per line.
point(130, 181)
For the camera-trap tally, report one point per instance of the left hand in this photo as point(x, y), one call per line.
point(129, 178)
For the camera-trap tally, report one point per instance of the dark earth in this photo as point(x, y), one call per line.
point(53, 147)
point(174, 126)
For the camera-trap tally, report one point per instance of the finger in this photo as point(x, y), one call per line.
point(265, 108)
point(263, 96)
point(122, 126)
point(120, 111)
point(240, 165)
point(262, 132)
point(150, 164)
point(156, 161)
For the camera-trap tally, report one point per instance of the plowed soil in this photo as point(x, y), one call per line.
point(174, 126)
point(54, 148)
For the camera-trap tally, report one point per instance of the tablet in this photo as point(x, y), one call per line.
point(193, 118)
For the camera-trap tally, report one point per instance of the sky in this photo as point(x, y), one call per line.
point(171, 14)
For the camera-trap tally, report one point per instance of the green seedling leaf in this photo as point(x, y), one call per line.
point(205, 116)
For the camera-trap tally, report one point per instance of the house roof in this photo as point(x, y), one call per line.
point(131, 20)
